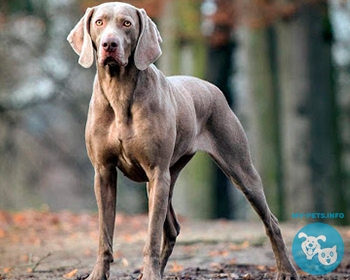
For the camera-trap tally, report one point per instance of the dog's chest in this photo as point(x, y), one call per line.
point(111, 142)
point(129, 159)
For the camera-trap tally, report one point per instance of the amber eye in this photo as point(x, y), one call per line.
point(99, 22)
point(127, 23)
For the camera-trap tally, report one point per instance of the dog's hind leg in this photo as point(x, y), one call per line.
point(171, 230)
point(228, 146)
point(171, 227)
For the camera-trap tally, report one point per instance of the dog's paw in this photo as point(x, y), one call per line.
point(100, 272)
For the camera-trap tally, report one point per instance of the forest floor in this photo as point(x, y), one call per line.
point(46, 245)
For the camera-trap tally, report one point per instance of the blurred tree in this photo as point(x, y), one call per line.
point(267, 98)
point(217, 26)
point(310, 129)
point(340, 18)
point(15, 6)
point(288, 47)
point(42, 161)
point(154, 8)
point(308, 109)
point(264, 117)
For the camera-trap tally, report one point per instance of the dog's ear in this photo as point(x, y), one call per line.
point(302, 235)
point(80, 40)
point(148, 46)
point(321, 237)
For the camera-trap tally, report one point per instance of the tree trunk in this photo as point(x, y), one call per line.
point(308, 106)
point(294, 88)
point(263, 114)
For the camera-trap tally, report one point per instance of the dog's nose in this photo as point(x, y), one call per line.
point(109, 44)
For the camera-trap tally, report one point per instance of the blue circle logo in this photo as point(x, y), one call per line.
point(318, 248)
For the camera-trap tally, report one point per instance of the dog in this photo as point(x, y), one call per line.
point(310, 245)
point(150, 126)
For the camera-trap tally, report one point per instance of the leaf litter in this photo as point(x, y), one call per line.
point(46, 245)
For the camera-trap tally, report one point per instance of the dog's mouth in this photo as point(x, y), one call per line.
point(112, 60)
point(310, 251)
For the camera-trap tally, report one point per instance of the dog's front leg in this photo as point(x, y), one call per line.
point(158, 195)
point(105, 191)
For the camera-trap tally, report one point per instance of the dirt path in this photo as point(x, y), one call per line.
point(44, 245)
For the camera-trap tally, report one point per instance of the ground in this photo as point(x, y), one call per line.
point(45, 245)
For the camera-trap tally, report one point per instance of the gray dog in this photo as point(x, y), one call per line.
point(150, 126)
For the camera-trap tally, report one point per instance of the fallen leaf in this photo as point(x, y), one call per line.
point(175, 267)
point(70, 274)
point(125, 262)
point(25, 258)
point(302, 273)
point(7, 269)
point(238, 247)
point(261, 267)
point(216, 253)
point(216, 266)
point(118, 255)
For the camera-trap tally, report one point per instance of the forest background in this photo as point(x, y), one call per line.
point(284, 67)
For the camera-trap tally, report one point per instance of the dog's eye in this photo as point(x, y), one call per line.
point(99, 22)
point(127, 23)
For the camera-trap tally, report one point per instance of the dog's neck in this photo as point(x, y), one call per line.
point(117, 85)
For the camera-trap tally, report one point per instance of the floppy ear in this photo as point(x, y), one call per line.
point(302, 235)
point(148, 46)
point(80, 40)
point(321, 237)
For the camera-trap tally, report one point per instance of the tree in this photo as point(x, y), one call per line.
point(309, 110)
point(290, 72)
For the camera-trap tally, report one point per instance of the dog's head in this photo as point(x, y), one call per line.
point(311, 242)
point(116, 31)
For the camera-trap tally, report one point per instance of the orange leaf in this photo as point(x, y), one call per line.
point(176, 267)
point(216, 253)
point(19, 218)
point(216, 266)
point(7, 269)
point(70, 274)
point(25, 258)
point(261, 267)
point(239, 247)
point(125, 262)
